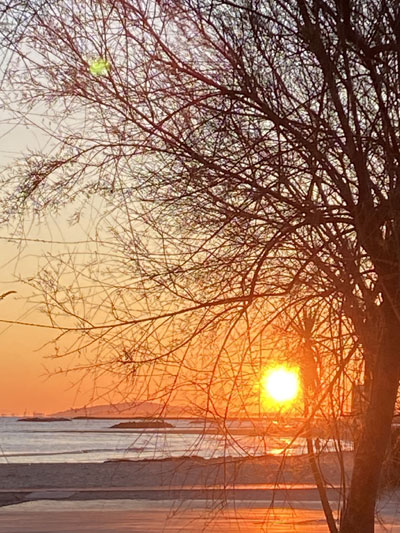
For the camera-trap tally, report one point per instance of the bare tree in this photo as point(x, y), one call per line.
point(252, 148)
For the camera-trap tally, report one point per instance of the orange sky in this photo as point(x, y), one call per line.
point(24, 386)
point(24, 383)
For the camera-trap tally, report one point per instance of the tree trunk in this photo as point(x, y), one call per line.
point(321, 486)
point(359, 513)
point(311, 383)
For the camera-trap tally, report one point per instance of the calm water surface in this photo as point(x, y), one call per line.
point(96, 441)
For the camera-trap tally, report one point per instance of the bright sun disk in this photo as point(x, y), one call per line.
point(281, 384)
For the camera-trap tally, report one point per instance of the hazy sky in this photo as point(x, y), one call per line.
point(24, 385)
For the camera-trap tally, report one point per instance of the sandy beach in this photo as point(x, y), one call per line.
point(121, 516)
point(167, 473)
point(187, 494)
point(143, 516)
point(214, 481)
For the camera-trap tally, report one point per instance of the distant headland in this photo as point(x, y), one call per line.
point(127, 410)
point(43, 419)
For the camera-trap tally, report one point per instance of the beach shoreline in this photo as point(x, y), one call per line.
point(184, 470)
point(187, 477)
point(185, 494)
point(119, 516)
point(139, 516)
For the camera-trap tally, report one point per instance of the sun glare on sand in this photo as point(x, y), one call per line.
point(281, 384)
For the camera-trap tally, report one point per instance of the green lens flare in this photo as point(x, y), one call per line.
point(99, 67)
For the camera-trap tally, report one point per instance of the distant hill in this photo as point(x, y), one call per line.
point(125, 410)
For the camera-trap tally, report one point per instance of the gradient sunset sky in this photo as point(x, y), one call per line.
point(24, 383)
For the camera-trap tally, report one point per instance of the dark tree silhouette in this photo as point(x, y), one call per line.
point(253, 148)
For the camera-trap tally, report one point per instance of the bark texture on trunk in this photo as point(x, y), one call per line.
point(359, 513)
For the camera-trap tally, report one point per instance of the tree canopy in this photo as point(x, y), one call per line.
point(247, 152)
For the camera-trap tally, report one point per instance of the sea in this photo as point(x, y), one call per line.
point(96, 441)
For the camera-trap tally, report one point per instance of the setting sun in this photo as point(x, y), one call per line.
point(281, 384)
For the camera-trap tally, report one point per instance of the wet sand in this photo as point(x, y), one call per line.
point(48, 519)
point(172, 495)
point(143, 516)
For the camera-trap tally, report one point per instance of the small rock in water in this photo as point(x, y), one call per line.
point(146, 424)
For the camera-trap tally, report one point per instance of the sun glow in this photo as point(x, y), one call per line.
point(281, 384)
